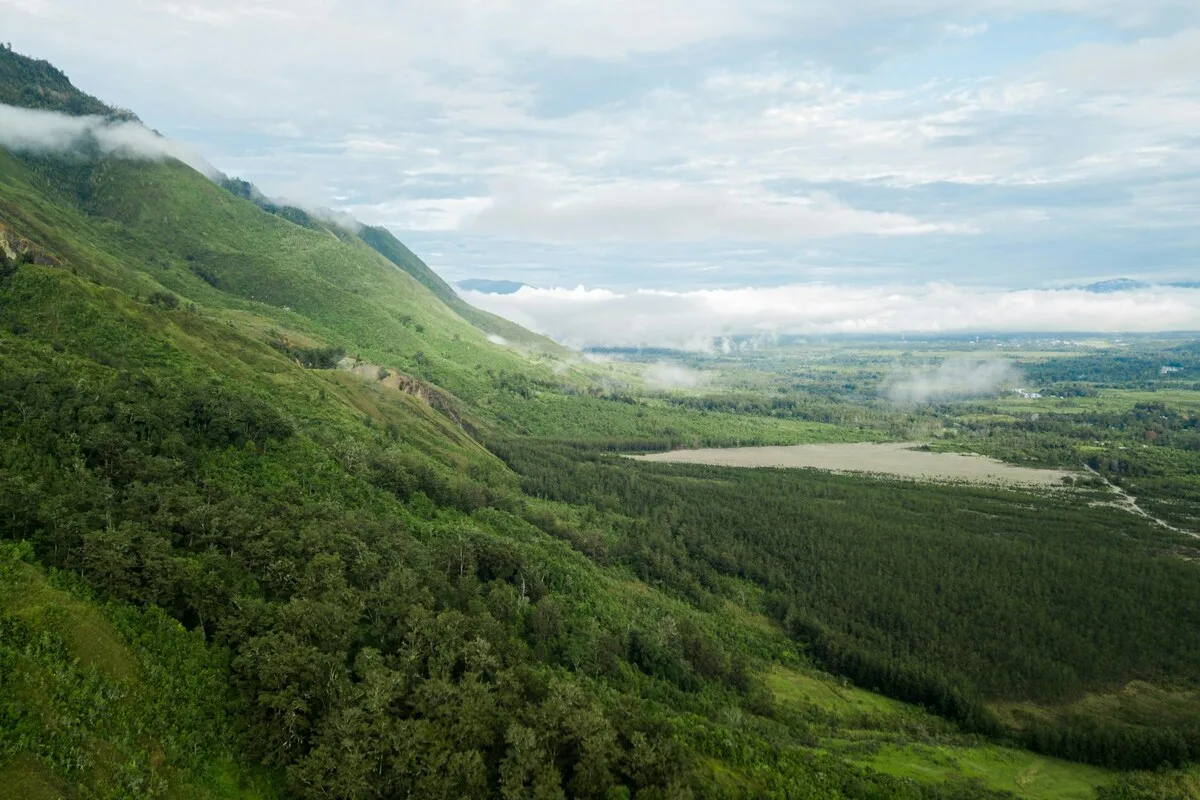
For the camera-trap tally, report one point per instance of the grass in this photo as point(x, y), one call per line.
point(90, 637)
point(25, 778)
point(1137, 703)
point(831, 694)
point(107, 700)
point(749, 619)
point(885, 735)
point(224, 778)
point(1107, 400)
point(1024, 774)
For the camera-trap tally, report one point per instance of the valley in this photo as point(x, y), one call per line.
point(282, 516)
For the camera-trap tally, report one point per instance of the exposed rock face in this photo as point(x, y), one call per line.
point(18, 249)
point(403, 382)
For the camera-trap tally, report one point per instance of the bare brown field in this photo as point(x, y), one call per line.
point(896, 459)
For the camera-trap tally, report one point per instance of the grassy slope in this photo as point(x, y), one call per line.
point(382, 240)
point(155, 226)
point(904, 741)
point(152, 694)
point(84, 328)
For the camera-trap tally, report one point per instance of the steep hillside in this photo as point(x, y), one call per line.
point(382, 240)
point(386, 244)
point(157, 700)
point(388, 612)
point(188, 235)
point(32, 83)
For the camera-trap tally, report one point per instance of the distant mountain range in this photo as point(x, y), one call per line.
point(489, 286)
point(1129, 285)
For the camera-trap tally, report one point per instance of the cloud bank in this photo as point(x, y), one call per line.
point(648, 211)
point(953, 378)
point(33, 131)
point(700, 320)
point(623, 143)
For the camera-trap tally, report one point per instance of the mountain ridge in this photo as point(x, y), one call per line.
point(33, 83)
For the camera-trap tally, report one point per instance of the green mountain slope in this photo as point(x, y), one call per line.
point(394, 621)
point(394, 250)
point(197, 240)
point(32, 83)
point(157, 701)
point(397, 620)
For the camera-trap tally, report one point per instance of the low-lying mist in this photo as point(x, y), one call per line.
point(664, 375)
point(954, 378)
point(25, 130)
point(700, 320)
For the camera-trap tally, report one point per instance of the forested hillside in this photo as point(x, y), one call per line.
point(281, 517)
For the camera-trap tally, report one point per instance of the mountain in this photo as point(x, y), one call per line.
point(254, 544)
point(1115, 285)
point(31, 83)
point(488, 286)
point(386, 244)
point(1129, 285)
point(382, 240)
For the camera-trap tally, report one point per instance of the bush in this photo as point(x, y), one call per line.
point(163, 299)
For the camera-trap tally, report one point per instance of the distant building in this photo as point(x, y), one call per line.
point(1165, 370)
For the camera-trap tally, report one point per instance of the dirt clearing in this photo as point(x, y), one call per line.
point(896, 459)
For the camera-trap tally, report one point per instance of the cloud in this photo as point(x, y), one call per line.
point(699, 320)
point(28, 130)
point(1167, 62)
point(952, 378)
point(664, 375)
point(592, 130)
point(666, 211)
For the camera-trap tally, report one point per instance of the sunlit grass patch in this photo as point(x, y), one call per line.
point(25, 778)
point(829, 693)
point(1024, 774)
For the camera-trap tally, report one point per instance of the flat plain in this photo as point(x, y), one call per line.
point(903, 459)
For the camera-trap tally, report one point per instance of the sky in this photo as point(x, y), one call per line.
point(660, 148)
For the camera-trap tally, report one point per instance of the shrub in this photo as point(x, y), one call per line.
point(163, 299)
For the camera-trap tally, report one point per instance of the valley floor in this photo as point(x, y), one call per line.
point(897, 459)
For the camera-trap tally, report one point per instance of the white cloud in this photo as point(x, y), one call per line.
point(630, 210)
point(677, 122)
point(957, 31)
point(698, 320)
point(26, 6)
point(27, 130)
point(1155, 63)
